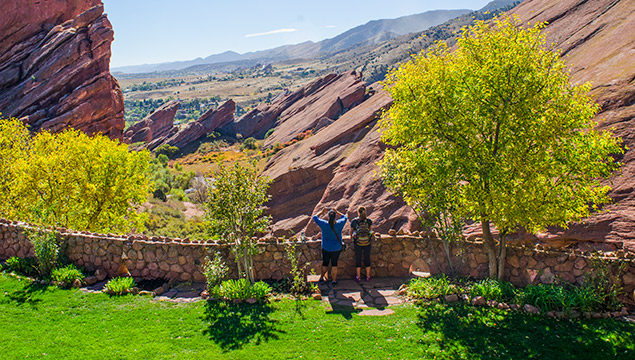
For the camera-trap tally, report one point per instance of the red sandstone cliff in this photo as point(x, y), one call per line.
point(155, 125)
point(208, 122)
point(335, 168)
point(54, 66)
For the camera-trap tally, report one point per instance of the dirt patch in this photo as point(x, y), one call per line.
point(192, 210)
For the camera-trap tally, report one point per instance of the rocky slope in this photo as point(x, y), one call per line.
point(54, 66)
point(335, 166)
point(212, 120)
point(156, 125)
point(597, 39)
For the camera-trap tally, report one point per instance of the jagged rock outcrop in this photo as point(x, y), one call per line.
point(329, 97)
point(597, 39)
point(155, 125)
point(335, 168)
point(54, 66)
point(294, 112)
point(208, 122)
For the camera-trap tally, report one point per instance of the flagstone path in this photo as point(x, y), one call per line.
point(370, 298)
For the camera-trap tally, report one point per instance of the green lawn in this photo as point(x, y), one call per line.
point(68, 324)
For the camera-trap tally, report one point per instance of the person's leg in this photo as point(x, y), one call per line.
point(325, 265)
point(367, 261)
point(334, 258)
point(358, 261)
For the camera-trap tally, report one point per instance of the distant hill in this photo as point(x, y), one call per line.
point(373, 32)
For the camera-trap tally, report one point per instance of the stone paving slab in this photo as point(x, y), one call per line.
point(376, 312)
point(355, 296)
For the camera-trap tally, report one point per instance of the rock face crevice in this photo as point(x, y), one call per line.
point(54, 67)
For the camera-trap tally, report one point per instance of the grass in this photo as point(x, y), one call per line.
point(37, 320)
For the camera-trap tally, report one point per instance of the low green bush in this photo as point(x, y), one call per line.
point(22, 266)
point(241, 289)
point(249, 144)
point(65, 276)
point(120, 285)
point(46, 250)
point(298, 284)
point(215, 270)
point(491, 289)
point(430, 288)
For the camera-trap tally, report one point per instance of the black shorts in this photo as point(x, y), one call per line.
point(330, 256)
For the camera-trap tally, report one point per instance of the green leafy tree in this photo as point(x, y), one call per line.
point(426, 183)
point(498, 124)
point(235, 211)
point(70, 179)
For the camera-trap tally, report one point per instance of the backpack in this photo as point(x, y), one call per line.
point(362, 233)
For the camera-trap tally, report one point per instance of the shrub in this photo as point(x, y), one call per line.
point(269, 132)
point(548, 297)
point(491, 289)
point(430, 288)
point(241, 289)
point(22, 266)
point(604, 281)
point(46, 250)
point(163, 159)
point(65, 276)
point(166, 150)
point(248, 144)
point(215, 270)
point(120, 285)
point(298, 285)
point(178, 194)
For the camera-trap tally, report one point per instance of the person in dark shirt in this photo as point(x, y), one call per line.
point(331, 241)
point(362, 236)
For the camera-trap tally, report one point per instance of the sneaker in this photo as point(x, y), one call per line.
point(334, 282)
point(357, 279)
point(367, 278)
point(321, 281)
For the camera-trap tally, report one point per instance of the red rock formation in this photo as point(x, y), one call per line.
point(294, 112)
point(597, 39)
point(54, 66)
point(335, 168)
point(208, 122)
point(327, 97)
point(156, 125)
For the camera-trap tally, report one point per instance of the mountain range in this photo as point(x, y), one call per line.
point(371, 33)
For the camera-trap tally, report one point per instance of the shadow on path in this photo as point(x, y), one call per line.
point(233, 325)
point(464, 331)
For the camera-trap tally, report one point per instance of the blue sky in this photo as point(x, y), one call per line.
point(155, 31)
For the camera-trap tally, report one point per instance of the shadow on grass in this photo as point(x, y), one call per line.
point(464, 331)
point(27, 294)
point(346, 311)
point(233, 325)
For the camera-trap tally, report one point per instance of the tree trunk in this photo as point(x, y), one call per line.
point(446, 249)
point(490, 246)
point(501, 257)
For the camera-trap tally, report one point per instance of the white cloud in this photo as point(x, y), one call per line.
point(271, 32)
point(330, 26)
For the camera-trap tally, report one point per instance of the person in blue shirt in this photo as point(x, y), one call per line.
point(331, 241)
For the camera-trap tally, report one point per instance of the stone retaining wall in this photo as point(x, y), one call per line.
point(391, 255)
